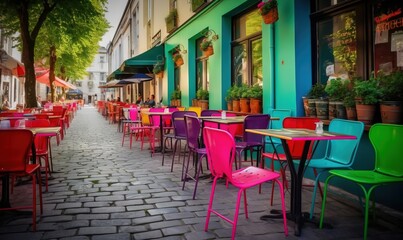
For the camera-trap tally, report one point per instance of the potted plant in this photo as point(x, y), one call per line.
point(178, 60)
point(228, 98)
point(207, 47)
point(269, 11)
point(316, 93)
point(336, 89)
point(176, 98)
point(203, 96)
point(244, 98)
point(158, 70)
point(391, 94)
point(236, 95)
point(170, 20)
point(366, 98)
point(349, 104)
point(256, 95)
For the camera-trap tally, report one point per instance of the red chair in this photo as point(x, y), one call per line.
point(41, 146)
point(220, 146)
point(15, 146)
point(296, 147)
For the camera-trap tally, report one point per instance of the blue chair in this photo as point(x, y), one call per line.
point(339, 154)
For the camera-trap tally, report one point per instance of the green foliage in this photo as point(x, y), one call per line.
point(229, 96)
point(337, 89)
point(159, 67)
point(243, 91)
point(265, 7)
point(202, 94)
point(317, 91)
point(366, 91)
point(176, 56)
point(256, 91)
point(349, 99)
point(391, 86)
point(176, 94)
point(205, 44)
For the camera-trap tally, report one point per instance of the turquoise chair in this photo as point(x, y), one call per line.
point(339, 154)
point(387, 142)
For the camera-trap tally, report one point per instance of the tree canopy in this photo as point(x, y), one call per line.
point(64, 30)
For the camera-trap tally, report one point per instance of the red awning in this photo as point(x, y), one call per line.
point(19, 71)
point(43, 77)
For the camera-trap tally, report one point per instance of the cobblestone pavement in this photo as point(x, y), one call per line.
point(101, 190)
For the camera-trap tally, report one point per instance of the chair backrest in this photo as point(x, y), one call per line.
point(178, 119)
point(281, 114)
point(192, 130)
point(258, 121)
point(387, 142)
point(14, 148)
point(297, 147)
point(343, 151)
point(155, 120)
point(208, 112)
point(133, 114)
point(220, 147)
point(195, 109)
point(37, 123)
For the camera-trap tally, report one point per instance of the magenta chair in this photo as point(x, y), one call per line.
point(220, 146)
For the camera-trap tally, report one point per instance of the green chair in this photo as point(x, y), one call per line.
point(340, 154)
point(386, 140)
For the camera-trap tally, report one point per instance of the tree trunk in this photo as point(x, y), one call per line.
point(52, 63)
point(28, 46)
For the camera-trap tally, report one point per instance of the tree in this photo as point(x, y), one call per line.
point(67, 45)
point(28, 17)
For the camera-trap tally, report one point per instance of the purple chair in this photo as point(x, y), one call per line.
point(178, 134)
point(208, 112)
point(193, 132)
point(250, 141)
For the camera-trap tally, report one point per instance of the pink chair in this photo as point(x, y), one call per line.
point(132, 121)
point(220, 146)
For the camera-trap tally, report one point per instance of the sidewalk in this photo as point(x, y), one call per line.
point(101, 190)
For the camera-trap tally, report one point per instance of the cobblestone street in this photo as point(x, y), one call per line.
point(101, 190)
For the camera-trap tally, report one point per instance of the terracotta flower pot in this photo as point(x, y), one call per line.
point(322, 109)
point(244, 104)
point(208, 52)
point(159, 75)
point(271, 16)
point(229, 105)
point(351, 113)
point(203, 104)
point(179, 62)
point(391, 111)
point(255, 105)
point(235, 105)
point(365, 113)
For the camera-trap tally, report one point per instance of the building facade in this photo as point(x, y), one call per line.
point(312, 42)
point(96, 77)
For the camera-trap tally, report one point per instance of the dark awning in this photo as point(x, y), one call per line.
point(142, 63)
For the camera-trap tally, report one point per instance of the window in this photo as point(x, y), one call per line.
point(102, 77)
point(388, 35)
point(340, 45)
point(177, 74)
point(202, 79)
point(247, 48)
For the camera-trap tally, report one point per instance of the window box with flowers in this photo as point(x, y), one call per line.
point(269, 11)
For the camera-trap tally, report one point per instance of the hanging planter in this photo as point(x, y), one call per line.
point(207, 44)
point(158, 69)
point(269, 11)
point(177, 58)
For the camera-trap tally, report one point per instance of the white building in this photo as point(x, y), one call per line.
point(11, 86)
point(96, 77)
